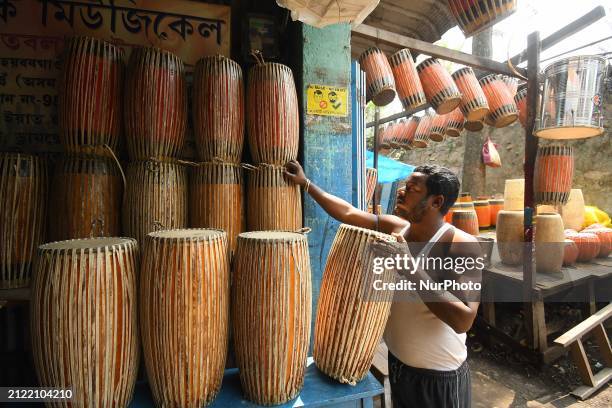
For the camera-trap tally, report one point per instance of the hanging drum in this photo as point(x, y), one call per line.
point(396, 140)
point(184, 313)
point(473, 16)
point(554, 171)
point(454, 123)
point(521, 104)
point(272, 117)
point(439, 124)
point(273, 202)
point(571, 105)
point(271, 314)
point(155, 104)
point(83, 320)
point(421, 135)
point(476, 126)
point(474, 105)
point(503, 111)
point(439, 87)
point(348, 300)
point(371, 180)
point(380, 85)
point(23, 192)
point(407, 82)
point(511, 84)
point(215, 199)
point(218, 109)
point(90, 89)
point(409, 132)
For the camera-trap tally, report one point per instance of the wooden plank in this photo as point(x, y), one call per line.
point(576, 332)
point(600, 379)
point(541, 333)
point(601, 338)
point(582, 363)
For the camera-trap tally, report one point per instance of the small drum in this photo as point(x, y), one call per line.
point(496, 206)
point(521, 103)
point(409, 88)
point(184, 302)
point(23, 193)
point(554, 171)
point(458, 206)
point(350, 318)
point(421, 135)
point(218, 109)
point(409, 132)
point(380, 85)
point(271, 314)
point(383, 142)
point(474, 105)
point(272, 114)
point(483, 213)
point(439, 87)
point(454, 123)
point(473, 16)
point(388, 140)
point(90, 91)
point(439, 124)
point(466, 220)
point(398, 130)
point(571, 105)
point(503, 111)
point(476, 126)
point(371, 180)
point(155, 104)
point(511, 83)
point(84, 320)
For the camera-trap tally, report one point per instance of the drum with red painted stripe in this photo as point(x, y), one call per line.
point(440, 89)
point(521, 103)
point(455, 123)
point(421, 135)
point(439, 124)
point(380, 84)
point(554, 170)
point(473, 16)
point(502, 109)
point(407, 82)
point(474, 105)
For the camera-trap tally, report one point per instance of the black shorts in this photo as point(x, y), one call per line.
point(421, 388)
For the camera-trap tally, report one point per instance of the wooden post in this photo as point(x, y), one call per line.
point(375, 199)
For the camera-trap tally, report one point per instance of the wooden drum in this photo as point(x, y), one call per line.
point(554, 171)
point(474, 105)
point(23, 191)
point(84, 327)
point(439, 87)
point(409, 88)
point(503, 110)
point(511, 83)
point(439, 125)
point(521, 104)
point(371, 180)
point(473, 16)
point(90, 91)
point(155, 104)
point(271, 314)
point(423, 130)
point(218, 109)
point(455, 123)
point(184, 313)
point(409, 132)
point(496, 205)
point(466, 220)
point(476, 126)
point(380, 84)
point(483, 212)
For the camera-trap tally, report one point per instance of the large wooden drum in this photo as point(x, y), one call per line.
point(439, 87)
point(23, 191)
point(455, 123)
point(271, 314)
point(407, 82)
point(554, 171)
point(474, 105)
point(473, 16)
point(88, 192)
point(272, 115)
point(84, 327)
point(155, 104)
point(422, 132)
point(216, 193)
point(218, 109)
point(90, 90)
point(380, 84)
point(503, 110)
point(184, 313)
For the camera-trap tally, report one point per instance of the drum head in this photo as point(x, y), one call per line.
point(505, 121)
point(275, 236)
point(567, 132)
point(188, 233)
point(86, 243)
point(436, 137)
point(476, 126)
point(419, 143)
point(453, 133)
point(384, 97)
point(477, 114)
point(448, 105)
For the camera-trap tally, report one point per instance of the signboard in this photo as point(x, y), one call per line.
point(326, 100)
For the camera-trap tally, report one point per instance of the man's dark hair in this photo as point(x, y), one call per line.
point(441, 181)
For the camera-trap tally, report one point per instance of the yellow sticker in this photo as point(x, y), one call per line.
point(326, 100)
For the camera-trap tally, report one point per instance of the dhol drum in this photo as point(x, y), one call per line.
point(439, 87)
point(474, 105)
point(458, 206)
point(184, 314)
point(218, 109)
point(216, 193)
point(476, 126)
point(88, 190)
point(84, 320)
point(511, 84)
point(496, 206)
point(391, 138)
point(371, 179)
point(409, 131)
point(155, 104)
point(348, 300)
point(422, 132)
point(502, 109)
point(272, 114)
point(90, 108)
point(23, 192)
point(483, 212)
point(407, 82)
point(455, 123)
point(383, 136)
point(271, 314)
point(473, 16)
point(466, 220)
point(521, 103)
point(380, 84)
point(439, 124)
point(273, 202)
point(554, 171)
point(571, 105)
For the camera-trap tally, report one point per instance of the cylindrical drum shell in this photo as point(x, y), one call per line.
point(439, 124)
point(23, 193)
point(83, 320)
point(511, 84)
point(502, 109)
point(184, 314)
point(510, 236)
point(380, 84)
point(409, 132)
point(454, 123)
point(475, 126)
point(554, 171)
point(483, 211)
point(572, 213)
point(439, 87)
point(155, 104)
point(466, 220)
point(409, 88)
point(514, 195)
point(474, 105)
point(521, 104)
point(218, 109)
point(496, 206)
point(90, 91)
point(271, 314)
point(423, 130)
point(371, 180)
point(473, 16)
point(549, 243)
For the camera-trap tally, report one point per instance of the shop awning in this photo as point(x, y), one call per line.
point(389, 170)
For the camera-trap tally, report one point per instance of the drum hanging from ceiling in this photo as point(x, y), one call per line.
point(380, 84)
point(440, 89)
point(476, 126)
point(521, 103)
point(473, 16)
point(371, 179)
point(409, 132)
point(511, 84)
point(455, 123)
point(421, 135)
point(439, 125)
point(554, 171)
point(474, 105)
point(502, 109)
point(407, 82)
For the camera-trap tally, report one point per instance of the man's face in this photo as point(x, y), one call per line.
point(412, 201)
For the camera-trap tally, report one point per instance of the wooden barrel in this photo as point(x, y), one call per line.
point(271, 314)
point(466, 220)
point(554, 171)
point(514, 195)
point(184, 302)
point(272, 114)
point(218, 109)
point(380, 84)
point(23, 192)
point(90, 92)
point(510, 236)
point(83, 319)
point(409, 88)
point(455, 123)
point(371, 180)
point(502, 109)
point(422, 132)
point(88, 192)
point(549, 243)
point(496, 206)
point(155, 104)
point(473, 16)
point(521, 104)
point(572, 213)
point(439, 87)
point(439, 124)
point(216, 193)
point(475, 126)
point(483, 212)
point(155, 198)
point(273, 202)
point(474, 105)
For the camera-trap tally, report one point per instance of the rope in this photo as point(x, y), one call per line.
point(118, 164)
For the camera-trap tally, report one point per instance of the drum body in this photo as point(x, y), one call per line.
point(496, 206)
point(184, 314)
point(510, 236)
point(455, 123)
point(483, 212)
point(474, 16)
point(439, 125)
point(272, 116)
point(571, 105)
point(549, 243)
point(466, 220)
point(84, 324)
point(271, 314)
point(521, 104)
point(502, 109)
point(218, 109)
point(554, 171)
point(380, 84)
point(371, 180)
point(511, 84)
point(409, 132)
point(155, 104)
point(23, 193)
point(90, 108)
point(439, 87)
point(422, 132)
point(474, 105)
point(407, 82)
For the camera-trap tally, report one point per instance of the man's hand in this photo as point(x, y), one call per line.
point(294, 173)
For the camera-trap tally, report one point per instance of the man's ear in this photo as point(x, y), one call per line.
point(437, 201)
